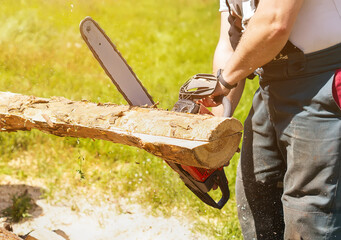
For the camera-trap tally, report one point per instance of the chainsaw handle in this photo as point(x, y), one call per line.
point(224, 187)
point(221, 177)
point(226, 105)
point(201, 189)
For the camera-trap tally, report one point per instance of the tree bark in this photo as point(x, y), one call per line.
point(190, 139)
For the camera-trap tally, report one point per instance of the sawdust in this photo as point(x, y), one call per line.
point(85, 217)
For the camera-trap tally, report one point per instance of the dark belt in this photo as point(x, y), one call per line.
point(296, 63)
point(288, 49)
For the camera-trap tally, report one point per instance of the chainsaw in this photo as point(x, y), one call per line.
point(199, 180)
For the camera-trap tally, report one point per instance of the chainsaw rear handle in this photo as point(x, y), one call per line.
point(201, 189)
point(224, 187)
point(219, 178)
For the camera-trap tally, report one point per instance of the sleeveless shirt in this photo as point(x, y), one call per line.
point(318, 24)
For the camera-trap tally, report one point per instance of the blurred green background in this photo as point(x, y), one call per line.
point(165, 42)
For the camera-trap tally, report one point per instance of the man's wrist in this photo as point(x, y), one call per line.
point(223, 81)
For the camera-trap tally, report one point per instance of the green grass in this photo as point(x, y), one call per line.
point(165, 42)
point(21, 204)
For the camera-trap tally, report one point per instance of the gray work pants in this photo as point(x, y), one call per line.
point(288, 179)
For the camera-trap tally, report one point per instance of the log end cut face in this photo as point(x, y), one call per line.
point(208, 155)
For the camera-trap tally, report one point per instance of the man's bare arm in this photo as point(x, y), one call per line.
point(224, 50)
point(266, 34)
point(222, 54)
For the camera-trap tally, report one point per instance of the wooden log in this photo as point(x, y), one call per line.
point(7, 235)
point(190, 139)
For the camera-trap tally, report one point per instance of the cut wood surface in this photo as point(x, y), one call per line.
point(190, 139)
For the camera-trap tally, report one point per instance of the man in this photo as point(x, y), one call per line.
point(290, 168)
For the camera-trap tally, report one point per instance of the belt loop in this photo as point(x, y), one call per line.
point(296, 63)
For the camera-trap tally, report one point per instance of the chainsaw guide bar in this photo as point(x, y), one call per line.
point(115, 66)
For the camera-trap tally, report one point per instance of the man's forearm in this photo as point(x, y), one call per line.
point(266, 34)
point(222, 54)
point(221, 57)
